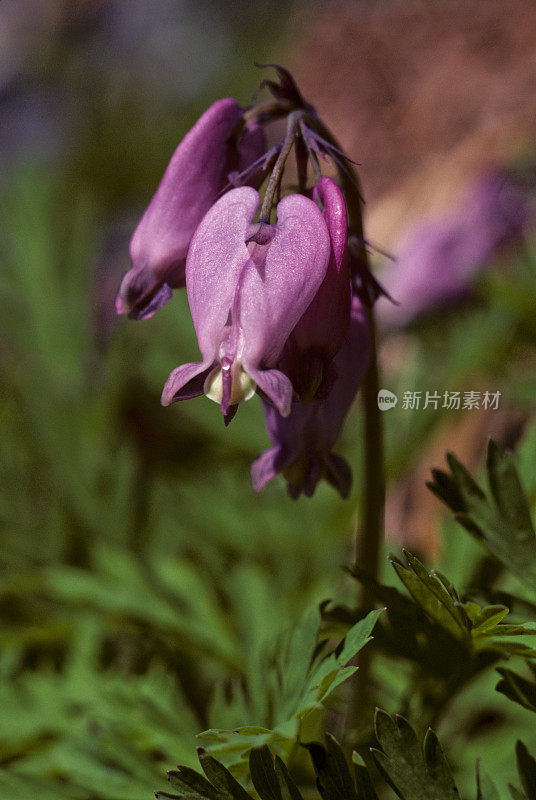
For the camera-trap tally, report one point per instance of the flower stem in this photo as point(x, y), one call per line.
point(275, 177)
point(369, 538)
point(370, 530)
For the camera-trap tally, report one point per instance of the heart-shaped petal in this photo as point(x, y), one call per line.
point(281, 279)
point(217, 255)
point(319, 334)
point(324, 325)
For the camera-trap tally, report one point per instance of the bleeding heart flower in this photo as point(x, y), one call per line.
point(442, 257)
point(302, 443)
point(246, 297)
point(321, 331)
point(192, 182)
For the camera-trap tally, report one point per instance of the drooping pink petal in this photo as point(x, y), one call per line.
point(246, 297)
point(338, 474)
point(303, 442)
point(351, 363)
point(195, 176)
point(140, 295)
point(269, 464)
point(276, 386)
point(320, 332)
point(216, 259)
point(324, 325)
point(281, 279)
point(185, 382)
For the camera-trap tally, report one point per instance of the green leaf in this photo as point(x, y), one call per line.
point(412, 773)
point(516, 794)
point(364, 785)
point(299, 654)
point(487, 618)
point(192, 785)
point(270, 779)
point(289, 790)
point(435, 760)
point(517, 688)
point(485, 788)
point(334, 779)
point(526, 766)
point(358, 636)
point(501, 519)
point(301, 679)
point(220, 777)
point(508, 494)
point(430, 594)
point(480, 628)
point(263, 774)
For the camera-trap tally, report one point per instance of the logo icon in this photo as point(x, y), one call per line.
point(386, 400)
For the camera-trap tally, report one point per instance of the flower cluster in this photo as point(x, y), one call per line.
point(268, 281)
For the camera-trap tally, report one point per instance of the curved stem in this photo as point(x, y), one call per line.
point(275, 177)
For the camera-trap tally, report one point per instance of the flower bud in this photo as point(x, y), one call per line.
point(192, 182)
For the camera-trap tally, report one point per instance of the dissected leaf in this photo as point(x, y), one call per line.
point(311, 678)
point(516, 794)
point(526, 766)
point(412, 773)
point(334, 779)
point(289, 790)
point(263, 774)
point(364, 785)
point(227, 786)
point(479, 627)
point(191, 785)
point(429, 592)
point(500, 520)
point(517, 688)
point(485, 788)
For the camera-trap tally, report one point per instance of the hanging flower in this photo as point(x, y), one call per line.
point(246, 297)
point(319, 334)
point(192, 182)
point(302, 443)
point(442, 257)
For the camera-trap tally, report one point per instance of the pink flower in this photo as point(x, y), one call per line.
point(303, 442)
point(245, 298)
point(442, 258)
point(192, 182)
point(319, 334)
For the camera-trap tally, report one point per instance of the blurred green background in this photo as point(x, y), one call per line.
point(141, 577)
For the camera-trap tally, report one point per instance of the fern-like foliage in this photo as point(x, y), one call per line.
point(499, 518)
point(297, 681)
point(412, 771)
point(480, 628)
